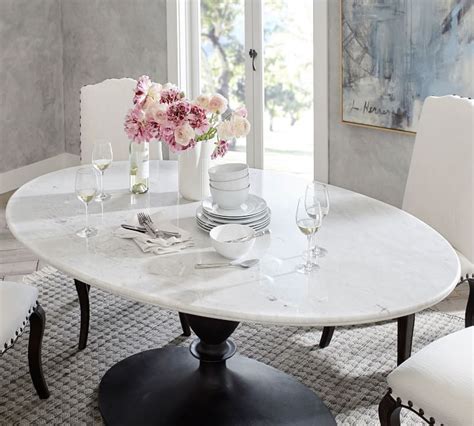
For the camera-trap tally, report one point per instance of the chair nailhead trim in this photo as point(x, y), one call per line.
point(19, 331)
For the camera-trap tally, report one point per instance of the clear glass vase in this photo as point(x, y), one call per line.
point(139, 167)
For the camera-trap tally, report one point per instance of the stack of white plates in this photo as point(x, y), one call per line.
point(254, 212)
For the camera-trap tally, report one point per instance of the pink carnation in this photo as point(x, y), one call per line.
point(137, 126)
point(220, 150)
point(141, 91)
point(198, 120)
point(178, 111)
point(170, 94)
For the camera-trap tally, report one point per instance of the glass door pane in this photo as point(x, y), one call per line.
point(223, 58)
point(288, 86)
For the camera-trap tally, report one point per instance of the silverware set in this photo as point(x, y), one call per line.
point(149, 228)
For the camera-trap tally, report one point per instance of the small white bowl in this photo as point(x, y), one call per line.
point(229, 199)
point(230, 171)
point(223, 233)
point(231, 185)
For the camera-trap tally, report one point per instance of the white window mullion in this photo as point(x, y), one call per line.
point(184, 47)
point(254, 96)
point(320, 90)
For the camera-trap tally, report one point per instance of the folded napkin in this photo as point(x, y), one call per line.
point(149, 244)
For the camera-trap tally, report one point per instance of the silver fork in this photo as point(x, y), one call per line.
point(145, 220)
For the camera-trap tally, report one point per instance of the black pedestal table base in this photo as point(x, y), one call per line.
point(205, 385)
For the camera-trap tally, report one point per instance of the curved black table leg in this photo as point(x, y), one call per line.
point(37, 324)
point(326, 336)
point(207, 384)
point(406, 326)
point(389, 411)
point(83, 294)
point(184, 324)
point(469, 318)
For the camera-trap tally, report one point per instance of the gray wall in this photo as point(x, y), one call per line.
point(31, 82)
point(109, 39)
point(373, 162)
point(50, 48)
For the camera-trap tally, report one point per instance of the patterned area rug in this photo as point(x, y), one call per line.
point(349, 375)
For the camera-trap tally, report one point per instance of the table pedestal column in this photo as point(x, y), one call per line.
point(206, 384)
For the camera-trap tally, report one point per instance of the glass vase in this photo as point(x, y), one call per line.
point(139, 167)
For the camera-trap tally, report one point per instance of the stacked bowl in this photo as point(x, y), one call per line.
point(229, 184)
point(231, 203)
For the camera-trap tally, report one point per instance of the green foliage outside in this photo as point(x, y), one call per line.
point(223, 57)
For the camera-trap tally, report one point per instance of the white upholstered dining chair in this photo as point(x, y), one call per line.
point(103, 109)
point(437, 383)
point(440, 185)
point(19, 307)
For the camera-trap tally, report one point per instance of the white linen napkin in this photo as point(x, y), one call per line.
point(149, 244)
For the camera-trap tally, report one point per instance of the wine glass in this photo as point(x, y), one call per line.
point(86, 190)
point(308, 225)
point(101, 159)
point(317, 191)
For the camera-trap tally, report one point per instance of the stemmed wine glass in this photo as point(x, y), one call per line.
point(101, 159)
point(317, 191)
point(308, 225)
point(86, 190)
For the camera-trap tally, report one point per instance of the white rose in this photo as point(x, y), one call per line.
point(217, 104)
point(183, 134)
point(203, 101)
point(169, 86)
point(241, 126)
point(155, 91)
point(225, 130)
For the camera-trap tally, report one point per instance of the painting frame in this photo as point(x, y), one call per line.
point(357, 90)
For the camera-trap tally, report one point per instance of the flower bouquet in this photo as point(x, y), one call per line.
point(202, 128)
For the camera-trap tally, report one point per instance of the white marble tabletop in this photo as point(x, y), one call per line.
point(382, 263)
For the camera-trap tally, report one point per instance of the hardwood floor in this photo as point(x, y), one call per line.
point(17, 261)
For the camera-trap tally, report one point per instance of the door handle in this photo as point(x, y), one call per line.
point(253, 54)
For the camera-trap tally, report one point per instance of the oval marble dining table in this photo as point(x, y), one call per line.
point(381, 264)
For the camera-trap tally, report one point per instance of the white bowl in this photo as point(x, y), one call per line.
point(223, 233)
point(231, 171)
point(229, 199)
point(231, 185)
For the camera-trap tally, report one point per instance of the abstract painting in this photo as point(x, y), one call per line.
point(395, 53)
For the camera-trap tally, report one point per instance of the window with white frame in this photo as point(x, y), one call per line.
point(260, 53)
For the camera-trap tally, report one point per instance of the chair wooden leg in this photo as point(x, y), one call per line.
point(184, 324)
point(37, 324)
point(326, 336)
point(389, 411)
point(469, 319)
point(83, 294)
point(406, 326)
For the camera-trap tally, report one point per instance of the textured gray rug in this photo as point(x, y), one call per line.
point(349, 375)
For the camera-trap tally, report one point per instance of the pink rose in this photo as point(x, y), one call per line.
point(225, 130)
point(184, 134)
point(202, 101)
point(240, 126)
point(242, 111)
point(217, 104)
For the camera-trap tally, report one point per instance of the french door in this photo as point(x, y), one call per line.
point(259, 53)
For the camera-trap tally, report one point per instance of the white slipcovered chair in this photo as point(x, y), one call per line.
point(103, 109)
point(440, 185)
point(437, 383)
point(18, 307)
